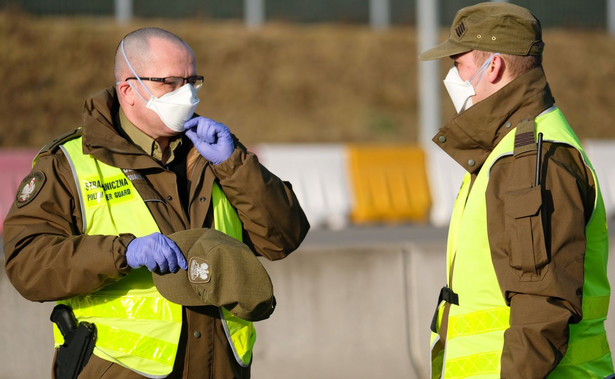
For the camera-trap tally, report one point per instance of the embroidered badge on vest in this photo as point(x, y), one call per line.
point(29, 188)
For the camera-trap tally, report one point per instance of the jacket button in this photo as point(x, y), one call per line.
point(442, 139)
point(471, 163)
point(169, 197)
point(507, 124)
point(202, 199)
point(197, 334)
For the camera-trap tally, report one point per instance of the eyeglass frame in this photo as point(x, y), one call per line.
point(164, 80)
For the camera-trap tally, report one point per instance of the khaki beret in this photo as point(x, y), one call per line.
point(222, 271)
point(493, 27)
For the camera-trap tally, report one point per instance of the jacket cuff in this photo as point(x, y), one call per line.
point(228, 167)
point(120, 261)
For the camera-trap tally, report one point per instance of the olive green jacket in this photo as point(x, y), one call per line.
point(540, 310)
point(48, 258)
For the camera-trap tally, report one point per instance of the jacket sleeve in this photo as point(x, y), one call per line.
point(46, 256)
point(538, 247)
point(268, 208)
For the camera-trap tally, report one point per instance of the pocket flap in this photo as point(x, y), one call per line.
point(525, 202)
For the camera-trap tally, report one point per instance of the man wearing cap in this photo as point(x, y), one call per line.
point(146, 187)
point(527, 291)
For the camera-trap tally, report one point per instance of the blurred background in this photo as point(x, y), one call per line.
point(330, 95)
point(317, 71)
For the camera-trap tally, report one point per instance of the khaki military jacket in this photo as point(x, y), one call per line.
point(48, 258)
point(540, 310)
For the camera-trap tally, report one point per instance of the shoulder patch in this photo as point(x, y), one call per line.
point(29, 188)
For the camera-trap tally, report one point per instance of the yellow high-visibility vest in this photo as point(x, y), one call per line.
point(137, 327)
point(240, 333)
point(475, 328)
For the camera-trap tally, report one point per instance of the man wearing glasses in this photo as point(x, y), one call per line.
point(91, 220)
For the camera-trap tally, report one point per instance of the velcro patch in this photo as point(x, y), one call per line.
point(29, 188)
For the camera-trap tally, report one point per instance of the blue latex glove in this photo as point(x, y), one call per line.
point(212, 139)
point(156, 252)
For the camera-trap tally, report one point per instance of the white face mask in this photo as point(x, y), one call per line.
point(176, 107)
point(461, 91)
point(173, 108)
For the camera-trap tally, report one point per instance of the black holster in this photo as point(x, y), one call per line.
point(79, 341)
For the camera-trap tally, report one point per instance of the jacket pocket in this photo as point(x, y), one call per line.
point(524, 231)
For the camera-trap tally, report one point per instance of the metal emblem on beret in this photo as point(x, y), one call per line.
point(199, 270)
point(29, 188)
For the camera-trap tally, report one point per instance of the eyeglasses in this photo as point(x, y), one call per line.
point(176, 81)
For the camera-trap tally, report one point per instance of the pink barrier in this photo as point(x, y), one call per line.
point(14, 166)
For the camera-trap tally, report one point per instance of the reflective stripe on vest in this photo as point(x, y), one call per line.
point(475, 332)
point(240, 333)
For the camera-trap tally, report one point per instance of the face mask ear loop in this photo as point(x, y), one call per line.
point(482, 70)
point(135, 74)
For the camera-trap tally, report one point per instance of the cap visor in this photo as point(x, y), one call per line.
point(445, 49)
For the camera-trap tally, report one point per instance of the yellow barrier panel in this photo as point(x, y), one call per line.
point(389, 183)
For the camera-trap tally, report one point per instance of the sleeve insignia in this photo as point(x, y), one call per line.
point(29, 188)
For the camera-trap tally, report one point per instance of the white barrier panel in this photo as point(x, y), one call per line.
point(319, 176)
point(601, 153)
point(444, 176)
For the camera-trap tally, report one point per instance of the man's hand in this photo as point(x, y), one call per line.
point(212, 139)
point(155, 251)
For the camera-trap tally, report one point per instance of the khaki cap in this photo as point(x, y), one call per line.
point(222, 271)
point(494, 27)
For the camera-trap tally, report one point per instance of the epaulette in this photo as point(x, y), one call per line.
point(525, 142)
point(525, 137)
point(51, 146)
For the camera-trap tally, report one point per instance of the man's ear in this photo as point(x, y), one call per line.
point(496, 68)
point(126, 93)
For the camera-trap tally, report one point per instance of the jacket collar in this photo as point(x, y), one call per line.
point(470, 136)
point(101, 138)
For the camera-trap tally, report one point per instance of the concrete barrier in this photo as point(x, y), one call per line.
point(355, 303)
point(350, 313)
point(25, 331)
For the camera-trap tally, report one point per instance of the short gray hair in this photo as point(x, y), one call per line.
point(137, 48)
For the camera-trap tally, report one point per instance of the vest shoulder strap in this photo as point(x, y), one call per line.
point(56, 142)
point(525, 137)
